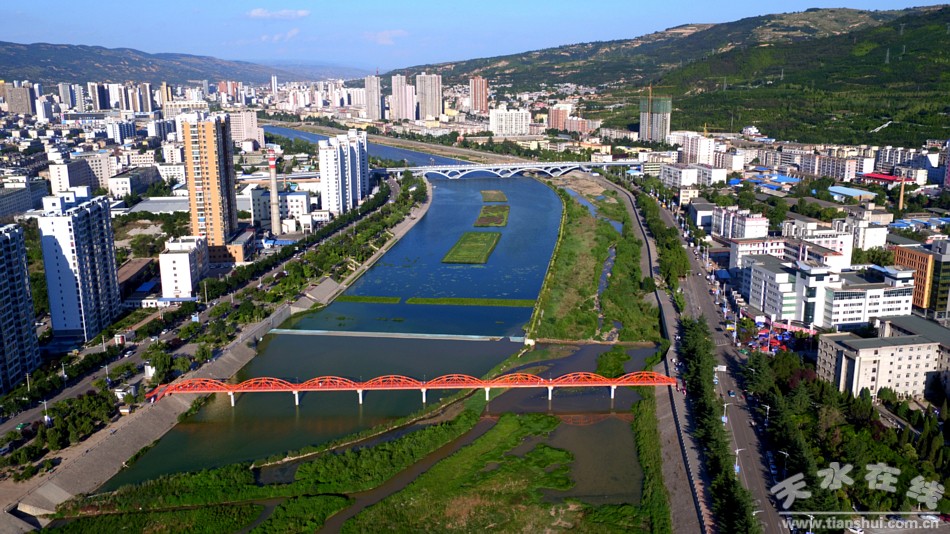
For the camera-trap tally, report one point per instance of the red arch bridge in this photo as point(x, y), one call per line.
point(398, 382)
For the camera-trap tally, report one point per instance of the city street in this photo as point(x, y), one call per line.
point(753, 464)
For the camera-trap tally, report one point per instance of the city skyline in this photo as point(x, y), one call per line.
point(395, 37)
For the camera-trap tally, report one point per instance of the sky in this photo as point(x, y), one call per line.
point(370, 34)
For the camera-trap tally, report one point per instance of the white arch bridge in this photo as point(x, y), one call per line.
point(551, 168)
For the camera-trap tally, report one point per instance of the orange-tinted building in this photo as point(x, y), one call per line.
point(209, 171)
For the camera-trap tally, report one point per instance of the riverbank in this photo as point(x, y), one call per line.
point(474, 156)
point(85, 467)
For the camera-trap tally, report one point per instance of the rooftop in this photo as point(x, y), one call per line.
point(857, 343)
point(920, 327)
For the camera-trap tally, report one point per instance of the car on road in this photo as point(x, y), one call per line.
point(732, 393)
point(22, 426)
point(856, 530)
point(164, 332)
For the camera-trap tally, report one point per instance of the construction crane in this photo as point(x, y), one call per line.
point(706, 129)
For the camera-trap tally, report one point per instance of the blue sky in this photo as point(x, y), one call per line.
point(369, 34)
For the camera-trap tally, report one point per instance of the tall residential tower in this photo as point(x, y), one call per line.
point(20, 350)
point(429, 89)
point(344, 171)
point(209, 171)
point(655, 118)
point(79, 258)
point(374, 99)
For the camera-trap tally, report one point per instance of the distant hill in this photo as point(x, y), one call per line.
point(634, 61)
point(834, 89)
point(54, 63)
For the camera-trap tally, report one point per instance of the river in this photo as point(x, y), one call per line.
point(263, 424)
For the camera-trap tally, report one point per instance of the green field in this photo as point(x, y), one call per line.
point(456, 301)
point(473, 247)
point(493, 195)
point(368, 299)
point(494, 215)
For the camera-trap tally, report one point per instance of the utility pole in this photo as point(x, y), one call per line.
point(27, 382)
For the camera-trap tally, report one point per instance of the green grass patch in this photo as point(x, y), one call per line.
point(302, 514)
point(209, 519)
point(494, 216)
point(494, 195)
point(347, 471)
point(473, 247)
point(458, 301)
point(369, 299)
point(483, 487)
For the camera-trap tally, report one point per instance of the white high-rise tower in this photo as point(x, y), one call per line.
point(79, 257)
point(344, 171)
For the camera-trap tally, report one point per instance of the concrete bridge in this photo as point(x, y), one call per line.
point(549, 168)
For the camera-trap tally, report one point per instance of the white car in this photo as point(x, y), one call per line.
point(856, 530)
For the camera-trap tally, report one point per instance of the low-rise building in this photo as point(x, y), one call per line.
point(900, 363)
point(133, 182)
point(183, 264)
point(732, 223)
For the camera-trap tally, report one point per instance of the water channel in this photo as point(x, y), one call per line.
point(264, 424)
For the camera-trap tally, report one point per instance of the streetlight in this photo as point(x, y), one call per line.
point(784, 464)
point(767, 408)
point(724, 411)
point(27, 382)
point(736, 466)
point(64, 370)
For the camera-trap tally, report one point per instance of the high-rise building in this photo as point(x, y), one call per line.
point(504, 122)
point(67, 98)
point(344, 171)
point(209, 171)
point(374, 98)
point(21, 100)
point(165, 96)
point(655, 118)
point(20, 350)
point(273, 85)
point(74, 173)
point(557, 116)
point(79, 258)
point(478, 91)
point(244, 126)
point(429, 91)
point(403, 100)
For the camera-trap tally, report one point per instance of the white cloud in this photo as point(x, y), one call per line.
point(278, 37)
point(283, 14)
point(385, 37)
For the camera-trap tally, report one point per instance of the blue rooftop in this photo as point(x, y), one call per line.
point(146, 287)
point(734, 181)
point(782, 179)
point(848, 191)
point(772, 186)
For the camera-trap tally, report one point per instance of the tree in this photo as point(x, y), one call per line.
point(203, 353)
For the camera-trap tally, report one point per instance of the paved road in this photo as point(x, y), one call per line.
point(754, 471)
point(690, 502)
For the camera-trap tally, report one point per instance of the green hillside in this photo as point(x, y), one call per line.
point(633, 61)
point(834, 89)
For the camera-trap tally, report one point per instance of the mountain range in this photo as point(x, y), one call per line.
point(54, 63)
point(638, 60)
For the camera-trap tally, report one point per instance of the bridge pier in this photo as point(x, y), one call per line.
point(612, 390)
point(423, 395)
point(231, 394)
point(486, 393)
point(550, 392)
point(359, 393)
point(296, 398)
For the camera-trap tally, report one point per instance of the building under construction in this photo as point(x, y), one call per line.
point(655, 118)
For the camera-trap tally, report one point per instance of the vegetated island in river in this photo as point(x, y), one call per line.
point(473, 247)
point(460, 301)
point(494, 195)
point(494, 215)
point(368, 299)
